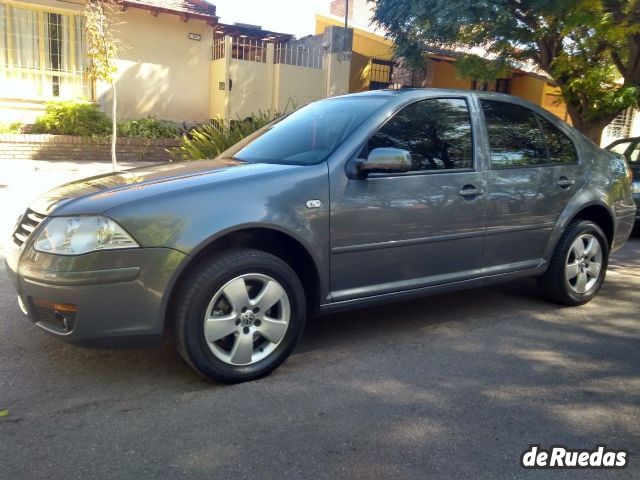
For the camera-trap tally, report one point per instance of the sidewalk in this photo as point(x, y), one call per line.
point(22, 181)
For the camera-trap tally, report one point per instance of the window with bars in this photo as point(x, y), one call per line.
point(621, 125)
point(42, 54)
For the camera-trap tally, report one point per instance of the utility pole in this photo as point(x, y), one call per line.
point(346, 13)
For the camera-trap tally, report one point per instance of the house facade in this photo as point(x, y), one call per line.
point(373, 67)
point(163, 65)
point(176, 62)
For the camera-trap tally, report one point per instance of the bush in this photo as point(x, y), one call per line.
point(72, 118)
point(148, 127)
point(210, 139)
point(15, 127)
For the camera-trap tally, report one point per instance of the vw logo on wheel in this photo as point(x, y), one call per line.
point(247, 318)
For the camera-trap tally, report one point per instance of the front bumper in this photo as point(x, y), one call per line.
point(119, 296)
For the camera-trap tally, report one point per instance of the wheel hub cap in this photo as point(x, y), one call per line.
point(584, 263)
point(247, 318)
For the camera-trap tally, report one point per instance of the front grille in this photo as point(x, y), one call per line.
point(49, 319)
point(30, 220)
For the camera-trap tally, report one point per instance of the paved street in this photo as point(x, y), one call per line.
point(455, 386)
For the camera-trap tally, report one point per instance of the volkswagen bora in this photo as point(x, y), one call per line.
point(349, 202)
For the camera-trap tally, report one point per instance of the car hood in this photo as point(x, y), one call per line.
point(100, 193)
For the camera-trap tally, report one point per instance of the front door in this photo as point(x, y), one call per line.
point(534, 172)
point(394, 232)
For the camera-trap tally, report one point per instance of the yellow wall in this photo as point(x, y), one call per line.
point(359, 77)
point(364, 43)
point(161, 72)
point(528, 87)
point(445, 76)
point(552, 101)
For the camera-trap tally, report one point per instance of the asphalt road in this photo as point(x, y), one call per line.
point(454, 386)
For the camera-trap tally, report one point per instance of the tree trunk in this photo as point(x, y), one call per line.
point(591, 129)
point(114, 161)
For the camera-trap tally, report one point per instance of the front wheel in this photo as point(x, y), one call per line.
point(239, 315)
point(578, 266)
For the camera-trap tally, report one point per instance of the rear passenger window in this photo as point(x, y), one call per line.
point(514, 135)
point(437, 133)
point(560, 147)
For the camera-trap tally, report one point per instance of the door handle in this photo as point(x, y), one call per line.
point(564, 182)
point(470, 191)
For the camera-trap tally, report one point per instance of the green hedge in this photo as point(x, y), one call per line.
point(85, 119)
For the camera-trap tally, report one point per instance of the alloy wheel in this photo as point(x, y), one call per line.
point(584, 263)
point(247, 319)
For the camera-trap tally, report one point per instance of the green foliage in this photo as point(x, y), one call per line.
point(86, 120)
point(473, 67)
point(15, 127)
point(148, 127)
point(72, 118)
point(210, 139)
point(102, 44)
point(585, 46)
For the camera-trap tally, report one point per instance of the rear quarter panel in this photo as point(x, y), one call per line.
point(607, 185)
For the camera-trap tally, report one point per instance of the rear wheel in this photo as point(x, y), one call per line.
point(578, 266)
point(239, 315)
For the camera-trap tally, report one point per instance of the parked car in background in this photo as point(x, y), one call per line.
point(630, 148)
point(349, 202)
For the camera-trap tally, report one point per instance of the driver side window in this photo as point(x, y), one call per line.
point(437, 133)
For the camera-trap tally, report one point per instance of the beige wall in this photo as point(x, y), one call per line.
point(270, 87)
point(296, 86)
point(217, 97)
point(161, 72)
point(251, 89)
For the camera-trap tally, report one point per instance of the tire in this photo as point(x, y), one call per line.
point(559, 283)
point(255, 338)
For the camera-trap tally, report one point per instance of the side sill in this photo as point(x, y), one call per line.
point(375, 300)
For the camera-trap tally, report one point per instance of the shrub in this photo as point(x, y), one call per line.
point(72, 118)
point(210, 139)
point(148, 127)
point(15, 127)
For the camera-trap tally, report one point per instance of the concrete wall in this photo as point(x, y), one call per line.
point(251, 90)
point(365, 42)
point(282, 87)
point(83, 149)
point(219, 85)
point(296, 86)
point(161, 72)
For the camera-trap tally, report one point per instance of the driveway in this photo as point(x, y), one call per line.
point(454, 386)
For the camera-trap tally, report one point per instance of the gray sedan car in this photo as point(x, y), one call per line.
point(349, 202)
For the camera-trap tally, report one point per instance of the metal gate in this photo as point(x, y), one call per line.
point(392, 74)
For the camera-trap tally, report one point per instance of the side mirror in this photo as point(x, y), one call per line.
point(386, 160)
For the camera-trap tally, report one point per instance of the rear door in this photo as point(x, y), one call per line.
point(534, 171)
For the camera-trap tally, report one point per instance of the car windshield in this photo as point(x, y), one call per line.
point(307, 136)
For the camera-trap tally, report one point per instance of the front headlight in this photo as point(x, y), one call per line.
point(635, 187)
point(77, 235)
